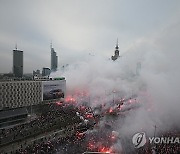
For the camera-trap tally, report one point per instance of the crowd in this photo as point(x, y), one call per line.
point(65, 141)
point(55, 117)
point(162, 148)
point(62, 145)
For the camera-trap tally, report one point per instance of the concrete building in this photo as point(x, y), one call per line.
point(36, 73)
point(46, 71)
point(116, 52)
point(14, 94)
point(18, 63)
point(54, 59)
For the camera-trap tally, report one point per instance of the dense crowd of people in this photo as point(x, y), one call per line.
point(162, 148)
point(64, 145)
point(73, 140)
point(55, 117)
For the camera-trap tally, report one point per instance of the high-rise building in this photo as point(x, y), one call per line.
point(46, 71)
point(18, 63)
point(116, 52)
point(54, 59)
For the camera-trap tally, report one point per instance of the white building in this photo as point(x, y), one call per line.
point(14, 94)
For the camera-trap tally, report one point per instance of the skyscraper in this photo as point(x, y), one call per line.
point(18, 63)
point(116, 54)
point(54, 59)
point(46, 71)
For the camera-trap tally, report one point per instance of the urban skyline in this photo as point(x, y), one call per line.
point(108, 84)
point(18, 61)
point(77, 31)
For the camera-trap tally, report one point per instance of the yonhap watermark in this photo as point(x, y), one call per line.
point(140, 139)
point(164, 140)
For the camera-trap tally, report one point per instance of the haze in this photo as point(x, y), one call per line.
point(80, 27)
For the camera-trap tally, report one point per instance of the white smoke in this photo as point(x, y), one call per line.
point(157, 86)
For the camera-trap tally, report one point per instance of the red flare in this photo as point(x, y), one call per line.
point(105, 150)
point(110, 110)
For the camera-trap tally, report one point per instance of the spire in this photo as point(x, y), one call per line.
point(16, 46)
point(117, 45)
point(117, 42)
point(51, 44)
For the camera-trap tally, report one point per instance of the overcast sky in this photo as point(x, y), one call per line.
point(79, 27)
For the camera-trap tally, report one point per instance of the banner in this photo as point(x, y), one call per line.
point(54, 89)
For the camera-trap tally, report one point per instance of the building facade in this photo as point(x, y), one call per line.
point(14, 94)
point(54, 60)
point(37, 73)
point(18, 63)
point(46, 71)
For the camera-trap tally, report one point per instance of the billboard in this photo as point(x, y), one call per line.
point(53, 89)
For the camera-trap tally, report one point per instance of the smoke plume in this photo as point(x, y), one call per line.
point(156, 85)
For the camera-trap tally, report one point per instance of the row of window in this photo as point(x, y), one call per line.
point(12, 85)
point(20, 92)
point(19, 98)
point(21, 87)
point(20, 83)
point(19, 103)
point(15, 96)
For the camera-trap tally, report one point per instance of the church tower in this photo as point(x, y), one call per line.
point(116, 52)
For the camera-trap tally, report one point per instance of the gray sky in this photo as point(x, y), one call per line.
point(79, 27)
